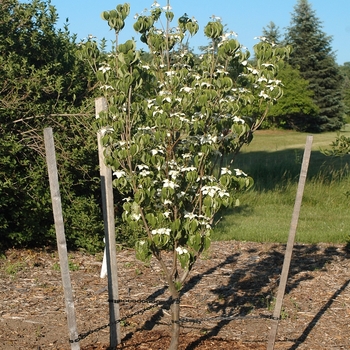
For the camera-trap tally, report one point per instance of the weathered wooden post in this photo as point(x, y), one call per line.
point(109, 227)
point(290, 244)
point(60, 236)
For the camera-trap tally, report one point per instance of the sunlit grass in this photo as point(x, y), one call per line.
point(274, 159)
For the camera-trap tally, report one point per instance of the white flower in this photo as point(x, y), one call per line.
point(177, 114)
point(146, 66)
point(150, 103)
point(186, 89)
point(181, 250)
point(168, 183)
point(263, 94)
point(210, 190)
point(105, 69)
point(156, 151)
point(172, 163)
point(222, 193)
point(167, 8)
point(262, 38)
point(226, 36)
point(238, 120)
point(167, 201)
point(169, 73)
point(159, 111)
point(239, 172)
point(189, 168)
point(208, 139)
point(161, 231)
point(155, 4)
point(225, 171)
point(144, 172)
point(191, 216)
point(136, 217)
point(147, 128)
point(254, 71)
point(167, 213)
point(276, 81)
point(142, 166)
point(181, 194)
point(205, 84)
point(106, 87)
point(173, 174)
point(119, 173)
point(206, 224)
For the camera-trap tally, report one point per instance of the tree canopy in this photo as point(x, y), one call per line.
point(296, 108)
point(312, 55)
point(42, 83)
point(345, 71)
point(272, 33)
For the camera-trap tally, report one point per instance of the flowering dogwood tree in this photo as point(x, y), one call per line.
point(171, 123)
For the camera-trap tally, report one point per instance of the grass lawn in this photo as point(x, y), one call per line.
point(274, 159)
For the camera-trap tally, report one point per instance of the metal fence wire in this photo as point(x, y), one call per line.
point(164, 304)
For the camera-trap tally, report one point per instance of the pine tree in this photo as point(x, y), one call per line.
point(272, 33)
point(345, 70)
point(312, 55)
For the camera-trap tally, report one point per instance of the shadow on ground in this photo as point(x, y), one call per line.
point(254, 284)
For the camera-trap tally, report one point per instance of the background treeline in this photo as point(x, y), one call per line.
point(43, 82)
point(315, 86)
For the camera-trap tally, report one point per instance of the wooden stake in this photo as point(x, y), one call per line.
point(60, 235)
point(109, 225)
point(290, 244)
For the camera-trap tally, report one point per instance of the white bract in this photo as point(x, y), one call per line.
point(169, 183)
point(161, 231)
point(225, 171)
point(181, 250)
point(119, 173)
point(239, 172)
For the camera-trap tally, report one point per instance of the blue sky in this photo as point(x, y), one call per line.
point(246, 18)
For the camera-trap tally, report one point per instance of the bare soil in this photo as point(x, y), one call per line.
point(229, 298)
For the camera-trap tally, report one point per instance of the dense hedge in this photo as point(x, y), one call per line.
point(43, 83)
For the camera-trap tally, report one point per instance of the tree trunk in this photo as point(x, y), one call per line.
point(175, 306)
point(175, 327)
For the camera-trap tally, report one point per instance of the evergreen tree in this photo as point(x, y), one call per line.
point(272, 33)
point(345, 70)
point(312, 55)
